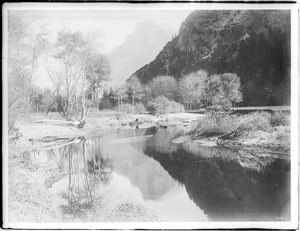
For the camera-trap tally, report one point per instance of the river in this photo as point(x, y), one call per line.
point(179, 182)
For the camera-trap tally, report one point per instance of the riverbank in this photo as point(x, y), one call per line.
point(28, 198)
point(258, 131)
point(34, 135)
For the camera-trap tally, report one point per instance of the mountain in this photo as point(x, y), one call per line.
point(139, 48)
point(253, 44)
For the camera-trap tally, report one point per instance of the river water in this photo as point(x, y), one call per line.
point(179, 182)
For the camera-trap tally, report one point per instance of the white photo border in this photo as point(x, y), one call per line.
point(293, 224)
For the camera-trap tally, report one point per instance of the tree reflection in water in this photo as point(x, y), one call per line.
point(85, 171)
point(229, 185)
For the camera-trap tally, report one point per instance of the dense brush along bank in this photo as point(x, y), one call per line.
point(214, 167)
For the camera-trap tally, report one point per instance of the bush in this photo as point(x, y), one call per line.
point(216, 123)
point(140, 108)
point(279, 118)
point(161, 105)
point(222, 123)
point(256, 121)
point(126, 108)
point(175, 107)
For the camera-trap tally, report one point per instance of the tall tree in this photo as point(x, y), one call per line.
point(84, 70)
point(192, 89)
point(134, 88)
point(70, 45)
point(97, 74)
point(224, 90)
point(121, 95)
point(23, 53)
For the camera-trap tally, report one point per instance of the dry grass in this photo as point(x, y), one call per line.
point(221, 124)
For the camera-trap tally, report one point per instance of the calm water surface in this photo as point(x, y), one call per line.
point(179, 182)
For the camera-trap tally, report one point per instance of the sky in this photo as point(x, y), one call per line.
point(114, 25)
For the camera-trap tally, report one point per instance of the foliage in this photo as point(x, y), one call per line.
point(83, 70)
point(254, 44)
point(279, 118)
point(161, 105)
point(108, 100)
point(40, 99)
point(97, 74)
point(192, 89)
point(163, 86)
point(140, 108)
point(127, 108)
point(223, 90)
point(134, 88)
point(24, 48)
point(175, 107)
point(121, 94)
point(222, 123)
point(256, 121)
point(216, 123)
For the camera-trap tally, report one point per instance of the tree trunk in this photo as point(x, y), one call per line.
point(132, 99)
point(82, 102)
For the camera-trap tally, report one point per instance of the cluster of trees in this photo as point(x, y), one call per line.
point(74, 62)
point(80, 71)
point(194, 91)
point(24, 49)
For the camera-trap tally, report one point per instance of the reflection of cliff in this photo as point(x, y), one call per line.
point(127, 159)
point(225, 190)
point(162, 139)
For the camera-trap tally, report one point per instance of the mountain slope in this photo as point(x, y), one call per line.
point(139, 48)
point(253, 44)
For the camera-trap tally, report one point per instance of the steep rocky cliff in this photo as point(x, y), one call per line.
point(253, 44)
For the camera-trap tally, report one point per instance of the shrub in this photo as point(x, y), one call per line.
point(126, 108)
point(175, 107)
point(222, 123)
point(158, 105)
point(279, 118)
point(161, 105)
point(256, 121)
point(216, 123)
point(140, 108)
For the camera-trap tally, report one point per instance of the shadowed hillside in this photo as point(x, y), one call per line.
point(253, 44)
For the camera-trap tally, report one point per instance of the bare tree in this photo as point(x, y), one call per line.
point(121, 94)
point(84, 69)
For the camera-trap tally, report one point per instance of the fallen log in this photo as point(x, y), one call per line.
point(77, 124)
point(50, 139)
point(73, 141)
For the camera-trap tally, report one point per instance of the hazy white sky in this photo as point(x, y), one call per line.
point(116, 24)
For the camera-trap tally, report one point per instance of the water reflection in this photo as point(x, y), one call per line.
point(230, 185)
point(182, 182)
